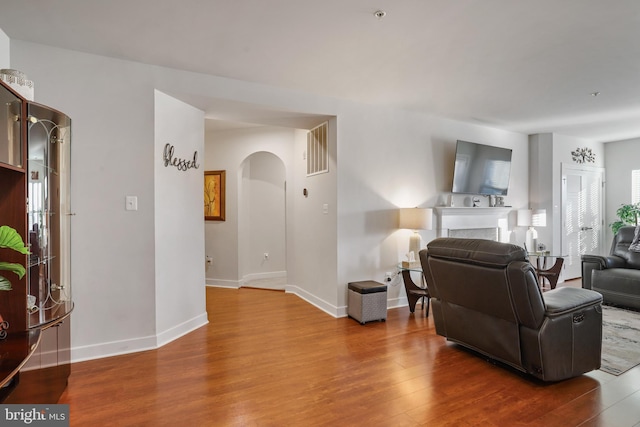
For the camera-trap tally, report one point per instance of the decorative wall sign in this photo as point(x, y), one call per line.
point(181, 164)
point(214, 190)
point(583, 155)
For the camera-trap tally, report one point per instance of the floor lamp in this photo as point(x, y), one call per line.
point(415, 219)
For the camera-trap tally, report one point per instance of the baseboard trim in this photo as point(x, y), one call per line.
point(180, 330)
point(219, 283)
point(397, 302)
point(268, 275)
point(135, 345)
point(330, 309)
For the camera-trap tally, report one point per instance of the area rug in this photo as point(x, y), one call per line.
point(620, 340)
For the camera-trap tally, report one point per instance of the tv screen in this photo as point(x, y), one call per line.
point(481, 169)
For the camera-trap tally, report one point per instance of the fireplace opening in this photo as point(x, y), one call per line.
point(475, 233)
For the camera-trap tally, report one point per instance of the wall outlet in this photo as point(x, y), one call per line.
point(388, 277)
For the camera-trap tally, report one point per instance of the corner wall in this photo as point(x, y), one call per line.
point(178, 218)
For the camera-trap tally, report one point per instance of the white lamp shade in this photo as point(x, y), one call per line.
point(539, 218)
point(415, 218)
point(524, 217)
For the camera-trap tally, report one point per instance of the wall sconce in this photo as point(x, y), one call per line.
point(415, 219)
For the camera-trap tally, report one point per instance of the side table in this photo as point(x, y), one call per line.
point(551, 274)
point(415, 292)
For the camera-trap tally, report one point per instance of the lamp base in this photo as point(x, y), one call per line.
point(531, 240)
point(415, 242)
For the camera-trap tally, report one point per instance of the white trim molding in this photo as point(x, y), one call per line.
point(451, 218)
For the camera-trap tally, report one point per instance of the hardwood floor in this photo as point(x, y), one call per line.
point(267, 358)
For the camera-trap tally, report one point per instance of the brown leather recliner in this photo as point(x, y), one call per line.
point(485, 296)
point(616, 276)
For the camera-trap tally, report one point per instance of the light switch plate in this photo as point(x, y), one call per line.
point(131, 203)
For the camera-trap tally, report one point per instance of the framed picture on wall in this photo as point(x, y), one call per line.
point(214, 189)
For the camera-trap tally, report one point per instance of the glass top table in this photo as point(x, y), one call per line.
point(543, 271)
point(415, 292)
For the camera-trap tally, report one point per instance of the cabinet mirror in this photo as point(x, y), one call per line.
point(48, 177)
point(10, 140)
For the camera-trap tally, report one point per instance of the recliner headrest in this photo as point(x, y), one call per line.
point(625, 234)
point(476, 251)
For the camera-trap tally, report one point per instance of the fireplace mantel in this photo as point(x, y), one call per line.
point(453, 218)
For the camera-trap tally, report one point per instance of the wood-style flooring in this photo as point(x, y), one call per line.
point(267, 358)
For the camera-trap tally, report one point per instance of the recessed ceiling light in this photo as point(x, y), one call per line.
point(379, 13)
point(595, 93)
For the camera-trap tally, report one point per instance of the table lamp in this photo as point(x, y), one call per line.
point(415, 219)
point(524, 220)
point(530, 218)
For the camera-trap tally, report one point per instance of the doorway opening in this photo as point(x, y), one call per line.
point(583, 215)
point(262, 221)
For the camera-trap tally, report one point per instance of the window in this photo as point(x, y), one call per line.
point(635, 186)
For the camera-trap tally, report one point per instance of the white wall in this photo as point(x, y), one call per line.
point(381, 159)
point(111, 104)
point(312, 247)
point(5, 51)
point(179, 287)
point(621, 158)
point(390, 159)
point(548, 152)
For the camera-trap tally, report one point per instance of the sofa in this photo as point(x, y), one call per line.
point(616, 276)
point(486, 297)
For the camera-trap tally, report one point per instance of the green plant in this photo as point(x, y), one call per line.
point(627, 215)
point(11, 239)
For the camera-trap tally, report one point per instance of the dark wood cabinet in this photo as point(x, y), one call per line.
point(35, 200)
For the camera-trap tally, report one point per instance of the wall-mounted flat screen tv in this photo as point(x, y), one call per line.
point(481, 169)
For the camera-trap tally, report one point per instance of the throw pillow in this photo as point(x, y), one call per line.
point(635, 244)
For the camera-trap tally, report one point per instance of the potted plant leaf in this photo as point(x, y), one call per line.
point(11, 239)
point(627, 215)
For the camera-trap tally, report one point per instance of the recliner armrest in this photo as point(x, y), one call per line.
point(609, 261)
point(565, 300)
point(597, 262)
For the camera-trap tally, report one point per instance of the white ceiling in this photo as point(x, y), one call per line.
point(524, 65)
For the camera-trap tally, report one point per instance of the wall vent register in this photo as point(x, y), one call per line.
point(318, 150)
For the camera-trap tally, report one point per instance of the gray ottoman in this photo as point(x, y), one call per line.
point(367, 301)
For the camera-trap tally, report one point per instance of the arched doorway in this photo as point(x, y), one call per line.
point(262, 222)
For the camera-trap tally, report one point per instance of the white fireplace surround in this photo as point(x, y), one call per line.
point(451, 218)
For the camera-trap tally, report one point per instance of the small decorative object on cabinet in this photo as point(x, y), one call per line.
point(35, 202)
